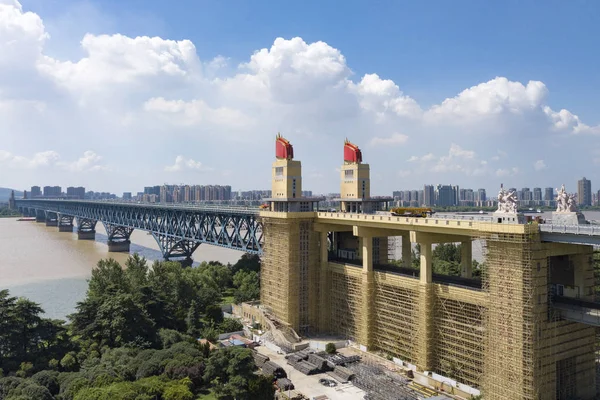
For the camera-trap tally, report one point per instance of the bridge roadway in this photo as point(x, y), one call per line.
point(179, 230)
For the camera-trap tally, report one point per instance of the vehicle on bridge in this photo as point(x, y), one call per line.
point(418, 212)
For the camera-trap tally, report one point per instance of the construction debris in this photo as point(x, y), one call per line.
point(270, 368)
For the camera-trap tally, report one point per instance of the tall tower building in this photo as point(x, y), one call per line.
point(291, 255)
point(355, 182)
point(584, 192)
point(428, 195)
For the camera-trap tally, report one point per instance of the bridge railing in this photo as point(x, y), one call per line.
point(591, 230)
point(183, 206)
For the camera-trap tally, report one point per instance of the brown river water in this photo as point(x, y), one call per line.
point(52, 267)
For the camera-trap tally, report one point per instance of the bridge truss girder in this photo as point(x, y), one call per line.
point(117, 233)
point(86, 225)
point(171, 247)
point(235, 229)
point(65, 220)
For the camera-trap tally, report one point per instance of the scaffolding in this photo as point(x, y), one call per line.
point(459, 336)
point(509, 357)
point(289, 285)
point(395, 315)
point(346, 301)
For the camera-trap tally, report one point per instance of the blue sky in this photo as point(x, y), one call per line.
point(429, 50)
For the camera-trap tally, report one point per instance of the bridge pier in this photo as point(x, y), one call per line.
point(86, 229)
point(176, 249)
point(65, 223)
point(51, 218)
point(40, 216)
point(118, 238)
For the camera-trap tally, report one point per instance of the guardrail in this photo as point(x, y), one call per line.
point(590, 230)
point(182, 206)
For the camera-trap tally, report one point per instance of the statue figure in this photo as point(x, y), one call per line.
point(562, 198)
point(572, 203)
point(565, 202)
point(507, 201)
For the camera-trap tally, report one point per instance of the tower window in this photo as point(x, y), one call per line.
point(278, 171)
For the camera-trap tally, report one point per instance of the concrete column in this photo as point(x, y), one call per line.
point(51, 219)
point(323, 284)
point(406, 250)
point(65, 223)
point(86, 235)
point(425, 348)
point(466, 259)
point(119, 247)
point(425, 275)
point(367, 253)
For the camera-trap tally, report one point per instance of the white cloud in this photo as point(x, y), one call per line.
point(494, 97)
point(117, 60)
point(425, 158)
point(182, 163)
point(151, 95)
point(502, 172)
point(22, 34)
point(196, 112)
point(539, 165)
point(395, 139)
point(90, 161)
point(381, 95)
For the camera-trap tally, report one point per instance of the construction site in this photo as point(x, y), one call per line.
point(494, 333)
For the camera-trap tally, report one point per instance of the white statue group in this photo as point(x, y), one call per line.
point(565, 202)
point(507, 201)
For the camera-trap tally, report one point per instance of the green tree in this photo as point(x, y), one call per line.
point(248, 262)
point(214, 314)
point(247, 286)
point(230, 370)
point(192, 320)
point(261, 388)
point(330, 348)
point(230, 325)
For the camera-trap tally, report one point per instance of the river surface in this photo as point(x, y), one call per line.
point(52, 268)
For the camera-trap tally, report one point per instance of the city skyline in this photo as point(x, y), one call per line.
point(202, 102)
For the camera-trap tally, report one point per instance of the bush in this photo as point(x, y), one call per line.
point(47, 379)
point(330, 348)
point(230, 325)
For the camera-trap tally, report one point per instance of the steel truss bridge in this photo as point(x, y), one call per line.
point(178, 230)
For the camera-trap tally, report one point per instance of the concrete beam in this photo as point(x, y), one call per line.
point(374, 232)
point(424, 237)
point(319, 227)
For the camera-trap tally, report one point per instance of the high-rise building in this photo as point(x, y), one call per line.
point(481, 195)
point(52, 191)
point(35, 191)
point(537, 195)
point(548, 194)
point(76, 192)
point(584, 192)
point(428, 195)
point(445, 195)
point(126, 195)
point(598, 198)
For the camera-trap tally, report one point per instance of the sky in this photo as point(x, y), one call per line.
point(117, 95)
